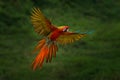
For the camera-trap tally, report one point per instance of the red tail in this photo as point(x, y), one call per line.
point(47, 50)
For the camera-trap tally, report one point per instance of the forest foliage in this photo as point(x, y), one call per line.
point(95, 57)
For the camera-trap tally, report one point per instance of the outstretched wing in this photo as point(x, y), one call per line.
point(41, 24)
point(69, 37)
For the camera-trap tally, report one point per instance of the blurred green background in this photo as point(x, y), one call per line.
point(95, 57)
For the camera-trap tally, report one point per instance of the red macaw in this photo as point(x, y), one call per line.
point(47, 47)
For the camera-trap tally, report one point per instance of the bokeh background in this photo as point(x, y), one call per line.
point(95, 57)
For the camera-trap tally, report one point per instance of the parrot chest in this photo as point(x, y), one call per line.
point(55, 34)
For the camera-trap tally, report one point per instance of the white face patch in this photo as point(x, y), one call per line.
point(65, 29)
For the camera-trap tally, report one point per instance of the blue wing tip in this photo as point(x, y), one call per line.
point(88, 32)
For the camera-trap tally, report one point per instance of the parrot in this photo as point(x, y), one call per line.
point(51, 36)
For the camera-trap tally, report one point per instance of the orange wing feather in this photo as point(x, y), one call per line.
point(41, 24)
point(69, 37)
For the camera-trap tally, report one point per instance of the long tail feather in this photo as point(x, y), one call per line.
point(49, 57)
point(55, 49)
point(40, 57)
point(39, 46)
point(47, 50)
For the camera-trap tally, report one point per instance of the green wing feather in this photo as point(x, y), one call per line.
point(69, 37)
point(41, 24)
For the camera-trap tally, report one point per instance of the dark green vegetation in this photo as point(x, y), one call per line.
point(95, 57)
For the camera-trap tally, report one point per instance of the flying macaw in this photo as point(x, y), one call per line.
point(52, 35)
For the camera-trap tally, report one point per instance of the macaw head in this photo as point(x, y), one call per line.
point(64, 28)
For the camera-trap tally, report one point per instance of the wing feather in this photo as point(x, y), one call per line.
point(41, 24)
point(69, 37)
